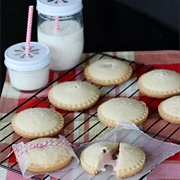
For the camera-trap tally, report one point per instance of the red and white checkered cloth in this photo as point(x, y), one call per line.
point(11, 98)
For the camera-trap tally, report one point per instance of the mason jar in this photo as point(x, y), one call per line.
point(60, 27)
point(28, 71)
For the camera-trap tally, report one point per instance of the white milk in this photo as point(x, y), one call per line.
point(66, 44)
point(29, 81)
point(28, 72)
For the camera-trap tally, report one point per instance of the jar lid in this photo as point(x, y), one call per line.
point(16, 58)
point(63, 8)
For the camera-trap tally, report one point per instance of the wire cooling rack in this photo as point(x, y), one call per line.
point(83, 126)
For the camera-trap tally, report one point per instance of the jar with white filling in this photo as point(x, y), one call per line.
point(60, 27)
point(28, 71)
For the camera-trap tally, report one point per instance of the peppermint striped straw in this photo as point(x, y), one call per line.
point(29, 28)
point(56, 22)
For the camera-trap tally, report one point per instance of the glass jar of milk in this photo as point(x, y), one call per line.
point(28, 71)
point(60, 27)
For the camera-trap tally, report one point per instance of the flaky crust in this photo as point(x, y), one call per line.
point(119, 79)
point(46, 159)
point(173, 104)
point(111, 123)
point(131, 160)
point(26, 119)
point(32, 168)
point(77, 99)
point(159, 84)
point(86, 165)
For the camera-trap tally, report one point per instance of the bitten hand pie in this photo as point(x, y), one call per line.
point(129, 159)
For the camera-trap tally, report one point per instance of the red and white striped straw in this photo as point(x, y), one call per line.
point(56, 22)
point(29, 28)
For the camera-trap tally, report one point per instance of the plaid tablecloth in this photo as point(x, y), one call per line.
point(11, 98)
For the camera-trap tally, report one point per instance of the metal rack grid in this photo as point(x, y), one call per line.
point(128, 89)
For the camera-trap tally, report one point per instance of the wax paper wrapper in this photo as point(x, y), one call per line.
point(156, 151)
point(23, 162)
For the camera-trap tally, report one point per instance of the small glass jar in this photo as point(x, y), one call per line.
point(60, 27)
point(28, 71)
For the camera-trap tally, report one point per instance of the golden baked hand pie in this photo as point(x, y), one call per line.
point(108, 72)
point(159, 83)
point(130, 159)
point(45, 159)
point(74, 95)
point(37, 122)
point(117, 110)
point(169, 109)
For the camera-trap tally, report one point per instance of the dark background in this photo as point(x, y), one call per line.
point(109, 25)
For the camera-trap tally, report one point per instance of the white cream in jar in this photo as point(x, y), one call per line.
point(28, 71)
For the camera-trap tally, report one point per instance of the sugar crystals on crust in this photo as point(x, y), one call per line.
point(108, 72)
point(37, 122)
point(159, 83)
point(126, 159)
point(117, 110)
point(74, 95)
point(46, 159)
point(169, 109)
